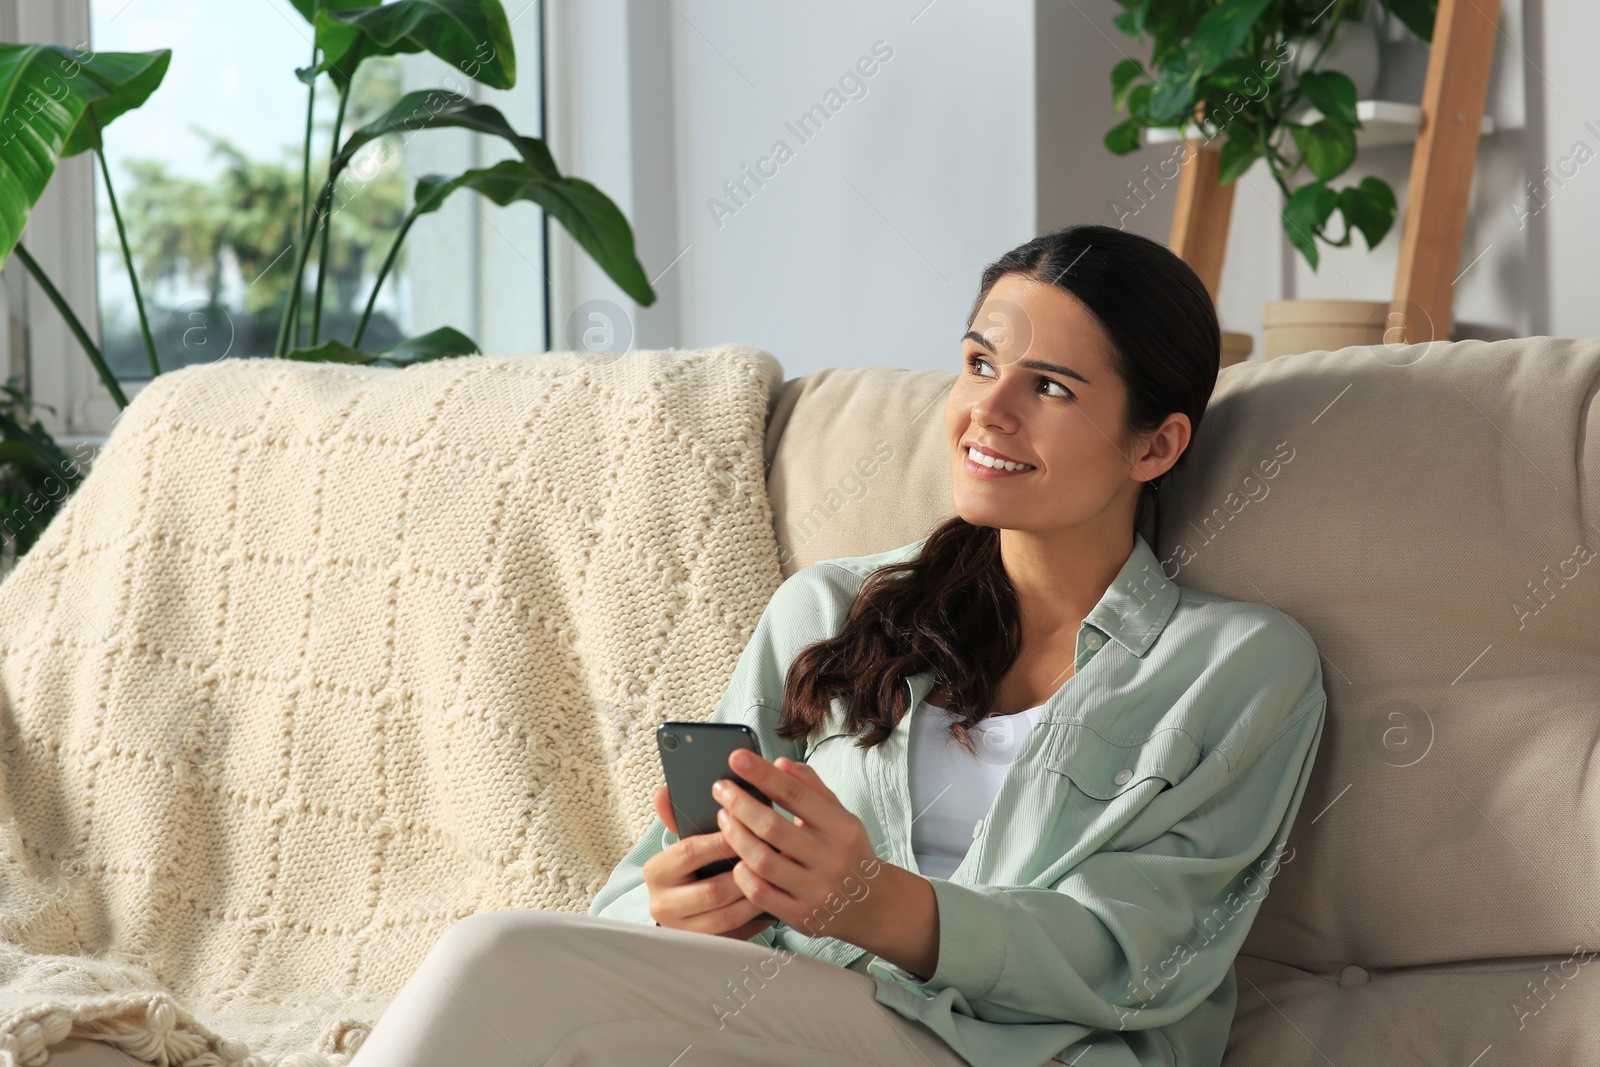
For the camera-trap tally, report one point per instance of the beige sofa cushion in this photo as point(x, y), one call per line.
point(858, 461)
point(1429, 514)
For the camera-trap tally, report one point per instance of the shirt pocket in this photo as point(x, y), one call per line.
point(1098, 793)
point(1107, 769)
point(823, 747)
point(838, 762)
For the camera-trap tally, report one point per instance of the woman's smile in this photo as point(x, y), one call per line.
point(979, 469)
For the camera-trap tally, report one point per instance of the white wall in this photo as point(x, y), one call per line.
point(1567, 229)
point(866, 244)
point(983, 129)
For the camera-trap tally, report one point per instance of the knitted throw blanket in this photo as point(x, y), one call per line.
point(321, 659)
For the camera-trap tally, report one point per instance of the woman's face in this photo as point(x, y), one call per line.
point(1036, 385)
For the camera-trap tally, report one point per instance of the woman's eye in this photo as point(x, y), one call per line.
point(1065, 394)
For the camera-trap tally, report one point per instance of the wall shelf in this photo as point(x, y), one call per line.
point(1383, 122)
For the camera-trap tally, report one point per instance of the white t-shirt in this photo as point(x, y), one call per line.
point(952, 789)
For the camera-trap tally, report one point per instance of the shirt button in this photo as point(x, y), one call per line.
point(1093, 641)
point(977, 828)
point(1122, 777)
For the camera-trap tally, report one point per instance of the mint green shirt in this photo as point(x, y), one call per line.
point(1096, 917)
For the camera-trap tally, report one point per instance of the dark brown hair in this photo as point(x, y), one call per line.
point(952, 608)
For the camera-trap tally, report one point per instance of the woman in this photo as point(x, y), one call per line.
point(1032, 791)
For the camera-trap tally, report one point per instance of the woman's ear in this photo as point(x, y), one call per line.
point(1158, 451)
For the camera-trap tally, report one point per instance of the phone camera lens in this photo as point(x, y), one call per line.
point(669, 742)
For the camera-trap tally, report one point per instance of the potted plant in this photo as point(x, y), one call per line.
point(1258, 76)
point(60, 100)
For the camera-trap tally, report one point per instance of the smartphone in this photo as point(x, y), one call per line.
point(694, 755)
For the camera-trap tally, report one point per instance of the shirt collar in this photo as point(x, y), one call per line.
point(1137, 604)
point(1132, 611)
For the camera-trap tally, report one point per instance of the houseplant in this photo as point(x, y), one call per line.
point(1231, 69)
point(56, 101)
point(36, 474)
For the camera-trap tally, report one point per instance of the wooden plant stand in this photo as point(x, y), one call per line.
point(1434, 215)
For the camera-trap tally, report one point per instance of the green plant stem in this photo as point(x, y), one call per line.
point(133, 273)
point(286, 322)
point(300, 257)
point(74, 325)
point(289, 324)
point(327, 224)
point(305, 151)
point(1282, 184)
point(383, 272)
point(305, 171)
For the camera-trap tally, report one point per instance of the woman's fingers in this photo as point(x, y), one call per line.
point(760, 858)
point(765, 823)
point(663, 803)
point(786, 790)
point(714, 905)
point(706, 896)
point(730, 914)
point(676, 864)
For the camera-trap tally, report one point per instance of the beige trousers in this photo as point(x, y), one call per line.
point(552, 989)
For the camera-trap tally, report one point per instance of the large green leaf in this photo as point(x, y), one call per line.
point(1331, 93)
point(1221, 31)
point(55, 101)
point(1172, 99)
point(1122, 79)
point(428, 109)
point(1328, 147)
point(308, 8)
point(130, 78)
point(1238, 156)
point(1308, 208)
point(1123, 137)
point(1169, 23)
point(1240, 74)
point(585, 212)
point(1139, 100)
point(443, 343)
point(471, 35)
point(1369, 207)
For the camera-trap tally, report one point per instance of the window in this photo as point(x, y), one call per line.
point(207, 175)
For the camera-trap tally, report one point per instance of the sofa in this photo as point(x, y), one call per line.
point(1429, 513)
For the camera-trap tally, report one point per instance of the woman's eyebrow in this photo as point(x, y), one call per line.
point(1031, 364)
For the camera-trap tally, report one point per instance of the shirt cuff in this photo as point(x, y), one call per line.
point(972, 943)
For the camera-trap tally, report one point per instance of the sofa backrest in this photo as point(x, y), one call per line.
point(856, 461)
point(1431, 515)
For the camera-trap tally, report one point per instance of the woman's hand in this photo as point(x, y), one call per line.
point(815, 873)
point(713, 905)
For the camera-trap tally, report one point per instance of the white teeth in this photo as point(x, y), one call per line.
point(998, 464)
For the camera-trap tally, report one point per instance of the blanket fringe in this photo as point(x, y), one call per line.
point(154, 1030)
